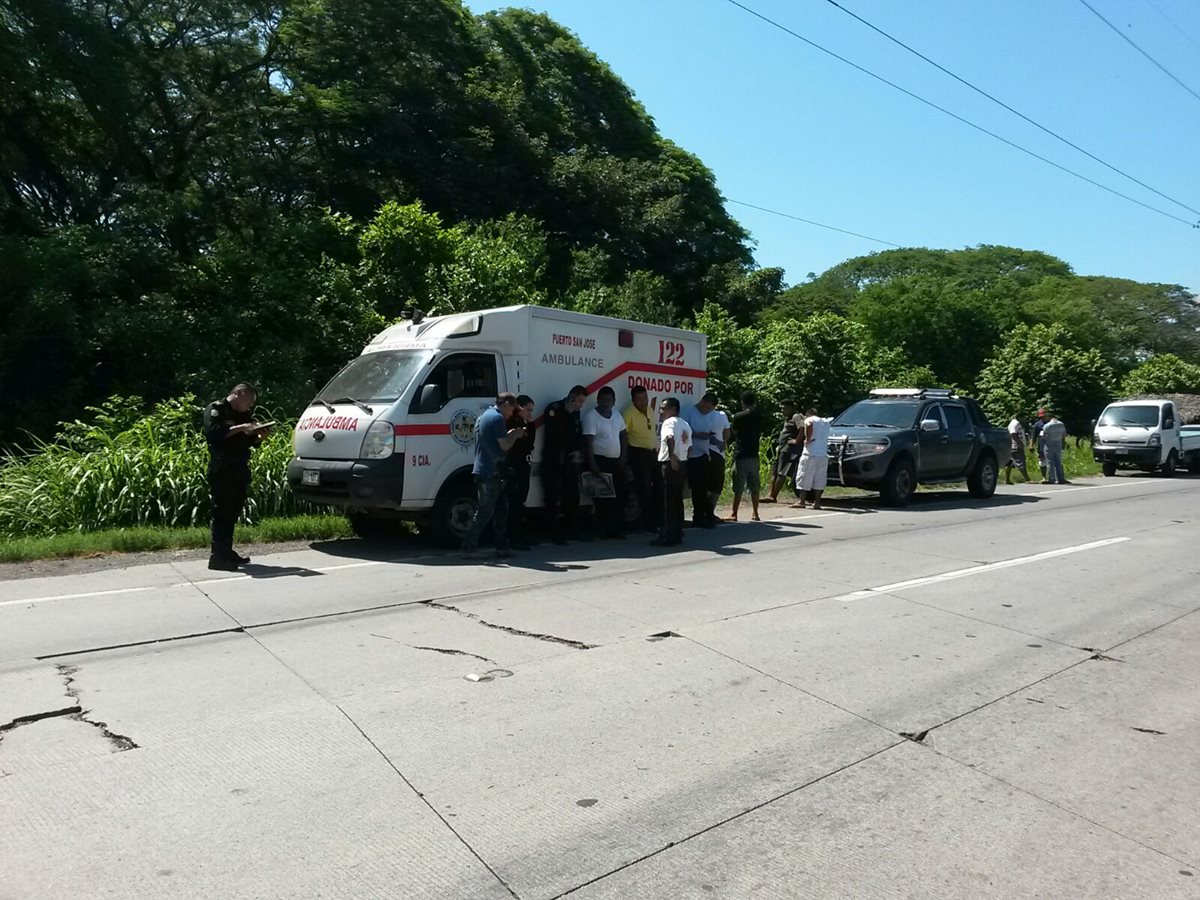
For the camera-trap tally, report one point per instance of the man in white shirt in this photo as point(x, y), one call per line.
point(604, 444)
point(814, 461)
point(703, 422)
point(717, 445)
point(1016, 442)
point(674, 444)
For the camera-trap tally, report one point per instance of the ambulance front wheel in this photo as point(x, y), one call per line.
point(453, 513)
point(367, 526)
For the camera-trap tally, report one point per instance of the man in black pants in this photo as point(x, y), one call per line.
point(641, 429)
point(231, 435)
point(517, 466)
point(562, 454)
point(675, 439)
point(701, 420)
point(605, 450)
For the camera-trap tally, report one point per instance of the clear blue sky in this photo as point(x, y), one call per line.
point(786, 127)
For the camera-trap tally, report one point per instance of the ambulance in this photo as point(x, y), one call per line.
point(391, 437)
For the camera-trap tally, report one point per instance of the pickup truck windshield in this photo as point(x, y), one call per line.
point(879, 414)
point(380, 377)
point(1127, 416)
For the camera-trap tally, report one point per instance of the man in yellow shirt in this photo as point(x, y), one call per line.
point(642, 432)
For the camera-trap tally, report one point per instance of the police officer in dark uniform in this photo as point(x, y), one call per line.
point(562, 457)
point(231, 434)
point(517, 465)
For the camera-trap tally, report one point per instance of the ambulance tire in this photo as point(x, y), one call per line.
point(369, 527)
point(453, 512)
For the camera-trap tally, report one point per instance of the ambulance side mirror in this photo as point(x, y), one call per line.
point(431, 399)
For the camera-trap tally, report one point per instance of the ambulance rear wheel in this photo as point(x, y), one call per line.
point(453, 513)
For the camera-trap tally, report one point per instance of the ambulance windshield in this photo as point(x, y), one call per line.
point(375, 377)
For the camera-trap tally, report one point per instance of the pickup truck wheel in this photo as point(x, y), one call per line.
point(1108, 468)
point(1172, 463)
point(453, 513)
point(899, 483)
point(981, 483)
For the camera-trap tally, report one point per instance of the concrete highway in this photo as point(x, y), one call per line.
point(954, 700)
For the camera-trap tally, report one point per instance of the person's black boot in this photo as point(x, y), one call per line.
point(221, 564)
point(238, 558)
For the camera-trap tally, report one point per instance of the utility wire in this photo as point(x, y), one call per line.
point(775, 212)
point(957, 117)
point(1130, 42)
point(1015, 112)
point(1191, 40)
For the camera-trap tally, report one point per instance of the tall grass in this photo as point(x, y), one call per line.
point(125, 469)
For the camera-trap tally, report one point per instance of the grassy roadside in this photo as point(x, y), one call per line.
point(139, 539)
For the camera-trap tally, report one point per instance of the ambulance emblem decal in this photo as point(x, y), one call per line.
point(462, 427)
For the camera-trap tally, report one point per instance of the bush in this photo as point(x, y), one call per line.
point(126, 469)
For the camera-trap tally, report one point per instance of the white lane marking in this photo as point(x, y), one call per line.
point(975, 570)
point(179, 584)
point(244, 576)
point(128, 590)
point(838, 512)
point(1074, 486)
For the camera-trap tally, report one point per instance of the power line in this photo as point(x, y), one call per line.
point(1130, 42)
point(775, 212)
point(1015, 112)
point(957, 117)
point(1191, 40)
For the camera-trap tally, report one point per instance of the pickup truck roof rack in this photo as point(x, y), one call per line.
point(915, 393)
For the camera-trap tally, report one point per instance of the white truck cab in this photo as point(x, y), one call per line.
point(1144, 434)
point(392, 435)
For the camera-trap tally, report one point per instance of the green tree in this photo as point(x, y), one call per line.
point(1041, 365)
point(730, 348)
point(947, 329)
point(821, 361)
point(1162, 374)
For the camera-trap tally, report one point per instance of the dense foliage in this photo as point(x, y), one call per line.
point(194, 191)
point(122, 467)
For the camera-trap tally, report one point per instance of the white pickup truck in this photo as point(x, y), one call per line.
point(1146, 435)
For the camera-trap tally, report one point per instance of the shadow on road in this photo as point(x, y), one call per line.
point(255, 570)
point(933, 501)
point(545, 556)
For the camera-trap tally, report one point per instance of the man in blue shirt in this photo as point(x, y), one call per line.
point(493, 440)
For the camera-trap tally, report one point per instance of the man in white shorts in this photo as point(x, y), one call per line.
point(813, 474)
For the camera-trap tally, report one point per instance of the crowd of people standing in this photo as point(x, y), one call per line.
point(640, 455)
point(1048, 435)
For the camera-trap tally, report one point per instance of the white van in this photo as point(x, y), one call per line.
point(392, 435)
point(1144, 434)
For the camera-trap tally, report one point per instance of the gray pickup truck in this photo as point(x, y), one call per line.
point(899, 438)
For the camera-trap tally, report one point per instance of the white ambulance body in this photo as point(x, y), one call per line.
point(392, 436)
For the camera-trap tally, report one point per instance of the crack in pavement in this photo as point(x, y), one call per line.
point(448, 651)
point(37, 717)
point(75, 712)
point(120, 741)
point(553, 639)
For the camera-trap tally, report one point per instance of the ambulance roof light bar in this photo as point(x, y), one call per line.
point(915, 393)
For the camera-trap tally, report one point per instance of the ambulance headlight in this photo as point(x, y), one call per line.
point(379, 442)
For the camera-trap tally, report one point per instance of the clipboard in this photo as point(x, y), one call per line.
point(597, 487)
